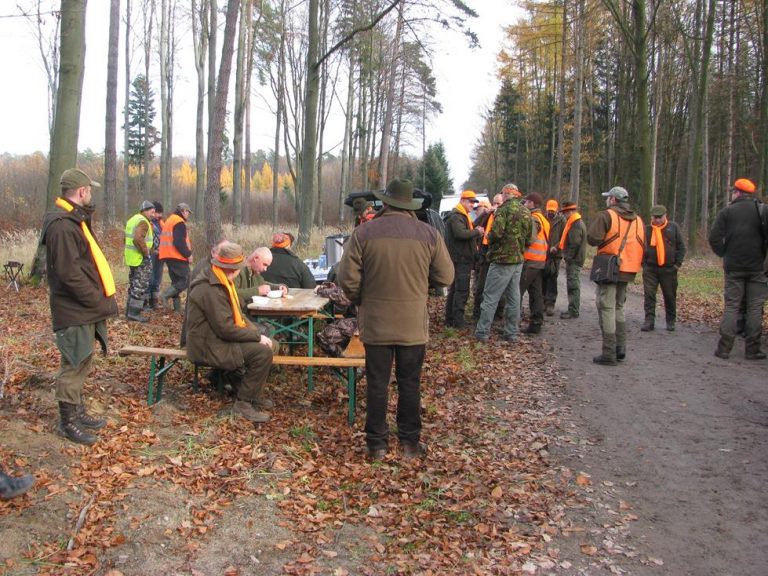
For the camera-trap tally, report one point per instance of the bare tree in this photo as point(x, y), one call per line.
point(200, 14)
point(167, 49)
point(110, 131)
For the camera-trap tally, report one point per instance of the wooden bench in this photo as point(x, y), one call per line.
point(163, 359)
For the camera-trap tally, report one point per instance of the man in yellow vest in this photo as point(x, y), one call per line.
point(136, 254)
point(617, 231)
point(176, 252)
point(82, 297)
point(535, 257)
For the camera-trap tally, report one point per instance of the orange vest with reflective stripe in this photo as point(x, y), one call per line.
point(537, 251)
point(167, 249)
point(632, 255)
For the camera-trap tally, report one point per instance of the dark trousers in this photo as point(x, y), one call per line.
point(751, 287)
point(258, 362)
point(666, 277)
point(549, 283)
point(481, 273)
point(458, 294)
point(157, 275)
point(178, 271)
point(378, 368)
point(530, 281)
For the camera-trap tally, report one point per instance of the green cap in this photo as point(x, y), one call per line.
point(658, 210)
point(75, 178)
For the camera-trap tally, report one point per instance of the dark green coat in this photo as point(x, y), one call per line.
point(212, 335)
point(462, 242)
point(288, 269)
point(510, 233)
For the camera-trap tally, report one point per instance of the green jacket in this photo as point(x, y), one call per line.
point(288, 269)
point(388, 266)
point(212, 335)
point(462, 242)
point(510, 233)
point(247, 284)
point(575, 249)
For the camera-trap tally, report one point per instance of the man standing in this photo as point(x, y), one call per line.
point(250, 282)
point(573, 248)
point(139, 238)
point(388, 266)
point(535, 259)
point(509, 234)
point(219, 336)
point(176, 252)
point(286, 267)
point(461, 238)
point(82, 297)
point(740, 237)
point(618, 231)
point(663, 257)
point(153, 292)
point(482, 263)
point(552, 266)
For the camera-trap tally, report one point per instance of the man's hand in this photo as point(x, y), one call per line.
point(265, 341)
point(264, 289)
point(481, 229)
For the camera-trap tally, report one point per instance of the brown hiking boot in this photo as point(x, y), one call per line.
point(417, 450)
point(263, 403)
point(375, 454)
point(246, 410)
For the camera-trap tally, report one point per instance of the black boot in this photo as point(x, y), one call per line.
point(724, 346)
point(70, 427)
point(88, 421)
point(649, 324)
point(133, 310)
point(11, 487)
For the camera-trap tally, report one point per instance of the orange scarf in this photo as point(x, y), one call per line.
point(488, 228)
point(105, 273)
point(461, 210)
point(233, 299)
point(657, 240)
point(572, 219)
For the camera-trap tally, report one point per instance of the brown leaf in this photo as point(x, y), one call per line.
point(588, 549)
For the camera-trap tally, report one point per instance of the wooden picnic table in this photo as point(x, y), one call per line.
point(300, 307)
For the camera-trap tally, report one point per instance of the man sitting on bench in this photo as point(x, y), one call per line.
point(219, 336)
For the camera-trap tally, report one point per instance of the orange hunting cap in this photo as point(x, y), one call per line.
point(468, 195)
point(745, 185)
point(552, 205)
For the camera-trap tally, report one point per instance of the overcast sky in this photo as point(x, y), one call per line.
point(466, 87)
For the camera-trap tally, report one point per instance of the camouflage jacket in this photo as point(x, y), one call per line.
point(510, 233)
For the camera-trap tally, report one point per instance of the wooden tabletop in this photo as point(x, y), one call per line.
point(299, 302)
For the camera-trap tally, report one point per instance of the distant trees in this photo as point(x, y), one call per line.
point(142, 134)
point(434, 176)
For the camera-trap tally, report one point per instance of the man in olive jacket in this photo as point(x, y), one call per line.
point(388, 266)
point(81, 291)
point(572, 246)
point(219, 336)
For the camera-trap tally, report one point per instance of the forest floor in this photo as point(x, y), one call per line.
point(540, 462)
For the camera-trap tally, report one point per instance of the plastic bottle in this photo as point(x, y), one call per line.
point(322, 261)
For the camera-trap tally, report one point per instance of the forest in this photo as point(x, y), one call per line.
point(666, 98)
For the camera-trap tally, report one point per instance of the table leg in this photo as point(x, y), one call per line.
point(310, 351)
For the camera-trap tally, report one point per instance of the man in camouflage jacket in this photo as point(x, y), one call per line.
point(510, 234)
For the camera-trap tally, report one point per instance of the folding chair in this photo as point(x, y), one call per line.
point(14, 273)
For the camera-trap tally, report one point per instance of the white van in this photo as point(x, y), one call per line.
point(448, 203)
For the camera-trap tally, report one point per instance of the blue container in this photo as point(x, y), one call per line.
point(322, 261)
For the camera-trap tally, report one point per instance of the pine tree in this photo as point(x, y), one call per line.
point(141, 106)
point(434, 177)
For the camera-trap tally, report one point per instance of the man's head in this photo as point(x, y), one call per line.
point(483, 206)
point(510, 190)
point(551, 207)
point(568, 207)
point(229, 257)
point(183, 210)
point(360, 205)
point(76, 186)
point(468, 199)
point(158, 210)
point(533, 201)
point(498, 200)
point(658, 215)
point(615, 195)
point(147, 208)
point(399, 194)
point(282, 240)
point(259, 260)
point(743, 186)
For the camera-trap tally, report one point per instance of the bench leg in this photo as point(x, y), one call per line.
point(310, 352)
point(351, 394)
point(151, 388)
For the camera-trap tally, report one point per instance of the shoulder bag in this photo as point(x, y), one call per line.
point(605, 267)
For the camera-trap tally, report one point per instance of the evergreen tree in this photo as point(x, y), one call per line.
point(434, 176)
point(141, 106)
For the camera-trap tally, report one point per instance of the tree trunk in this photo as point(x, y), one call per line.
point(149, 19)
point(560, 162)
point(237, 161)
point(212, 32)
point(166, 98)
point(578, 105)
point(389, 102)
point(110, 131)
point(200, 46)
point(126, 166)
point(216, 133)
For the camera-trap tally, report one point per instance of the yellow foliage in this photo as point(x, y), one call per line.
point(186, 176)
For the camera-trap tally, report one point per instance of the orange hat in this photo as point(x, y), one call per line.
point(468, 195)
point(281, 239)
point(552, 205)
point(511, 189)
point(745, 185)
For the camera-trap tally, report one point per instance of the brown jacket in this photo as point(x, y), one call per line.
point(211, 330)
point(76, 294)
point(387, 269)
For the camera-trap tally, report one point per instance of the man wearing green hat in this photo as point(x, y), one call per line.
point(82, 297)
point(664, 256)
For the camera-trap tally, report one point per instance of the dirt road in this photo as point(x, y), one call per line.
point(677, 436)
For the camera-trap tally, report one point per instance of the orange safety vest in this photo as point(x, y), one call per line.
point(167, 249)
point(631, 259)
point(537, 250)
point(488, 226)
point(572, 219)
